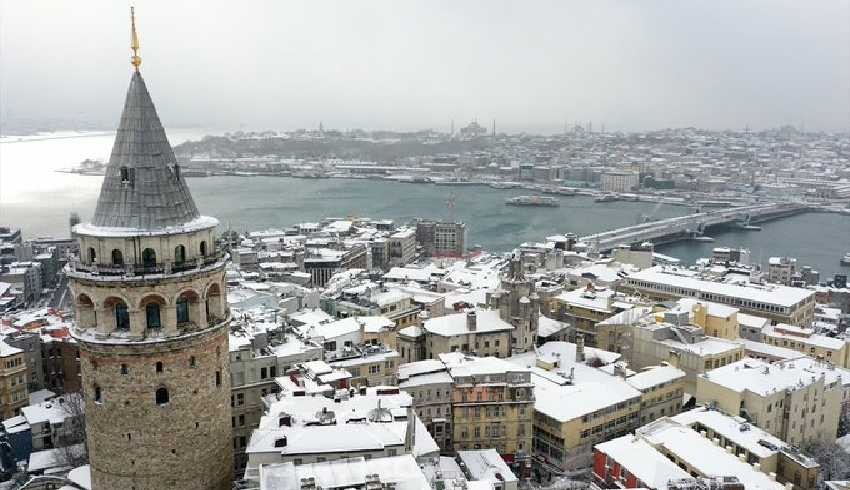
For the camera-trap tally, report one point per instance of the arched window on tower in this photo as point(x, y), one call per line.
point(148, 258)
point(117, 257)
point(179, 254)
point(152, 315)
point(203, 249)
point(92, 255)
point(162, 396)
point(98, 395)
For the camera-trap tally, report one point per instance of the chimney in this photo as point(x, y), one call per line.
point(580, 347)
point(410, 432)
point(470, 321)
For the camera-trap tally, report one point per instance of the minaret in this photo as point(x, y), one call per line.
point(151, 318)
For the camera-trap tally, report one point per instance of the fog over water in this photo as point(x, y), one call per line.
point(402, 65)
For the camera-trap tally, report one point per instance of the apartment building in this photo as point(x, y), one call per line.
point(798, 401)
point(401, 247)
point(441, 238)
point(653, 338)
point(754, 445)
point(13, 380)
point(370, 365)
point(805, 341)
point(430, 386)
point(492, 405)
point(259, 353)
point(478, 331)
point(666, 454)
point(578, 405)
point(780, 270)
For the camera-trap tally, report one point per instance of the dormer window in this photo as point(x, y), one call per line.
point(127, 176)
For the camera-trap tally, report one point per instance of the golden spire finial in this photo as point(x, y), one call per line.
point(135, 60)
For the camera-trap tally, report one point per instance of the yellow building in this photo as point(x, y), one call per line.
point(577, 405)
point(585, 308)
point(716, 320)
point(492, 404)
point(807, 342)
point(779, 303)
point(479, 332)
point(798, 401)
point(13, 380)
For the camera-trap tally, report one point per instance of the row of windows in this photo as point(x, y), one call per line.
point(148, 255)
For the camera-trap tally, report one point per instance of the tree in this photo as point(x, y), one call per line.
point(833, 459)
point(71, 441)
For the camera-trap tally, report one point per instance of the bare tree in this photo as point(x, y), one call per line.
point(71, 440)
point(833, 459)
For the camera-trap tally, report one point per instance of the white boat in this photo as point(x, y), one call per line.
point(703, 239)
point(541, 201)
point(845, 261)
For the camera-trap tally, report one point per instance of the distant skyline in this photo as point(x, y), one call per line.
point(532, 66)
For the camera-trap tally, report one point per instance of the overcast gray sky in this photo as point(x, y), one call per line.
point(404, 64)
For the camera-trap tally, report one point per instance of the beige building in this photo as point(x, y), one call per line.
point(753, 445)
point(430, 387)
point(578, 405)
point(401, 247)
point(782, 304)
point(13, 380)
point(619, 181)
point(492, 405)
point(649, 338)
point(152, 320)
point(371, 365)
point(780, 270)
point(479, 332)
point(798, 401)
point(807, 342)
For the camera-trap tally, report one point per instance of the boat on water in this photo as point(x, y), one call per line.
point(845, 261)
point(539, 201)
point(607, 198)
point(503, 185)
point(566, 191)
point(703, 239)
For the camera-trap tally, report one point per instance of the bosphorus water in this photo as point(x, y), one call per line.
point(38, 199)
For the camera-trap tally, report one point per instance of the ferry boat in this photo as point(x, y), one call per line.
point(703, 238)
point(845, 261)
point(541, 201)
point(607, 198)
point(503, 185)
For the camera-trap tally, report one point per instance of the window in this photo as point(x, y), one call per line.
point(192, 361)
point(203, 249)
point(162, 396)
point(263, 373)
point(125, 369)
point(159, 367)
point(98, 395)
point(148, 258)
point(182, 310)
point(117, 257)
point(122, 317)
point(92, 255)
point(179, 254)
point(152, 315)
point(218, 382)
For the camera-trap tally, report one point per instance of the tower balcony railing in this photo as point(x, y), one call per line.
point(141, 270)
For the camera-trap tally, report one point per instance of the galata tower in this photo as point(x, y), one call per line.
point(151, 319)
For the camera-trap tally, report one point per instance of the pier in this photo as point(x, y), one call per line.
point(691, 226)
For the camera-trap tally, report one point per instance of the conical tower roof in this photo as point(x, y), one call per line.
point(143, 188)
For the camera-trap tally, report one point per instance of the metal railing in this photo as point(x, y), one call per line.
point(137, 270)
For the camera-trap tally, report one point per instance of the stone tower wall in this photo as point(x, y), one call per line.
point(137, 444)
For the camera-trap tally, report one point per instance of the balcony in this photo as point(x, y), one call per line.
point(110, 271)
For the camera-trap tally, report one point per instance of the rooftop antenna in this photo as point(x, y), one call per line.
point(135, 60)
